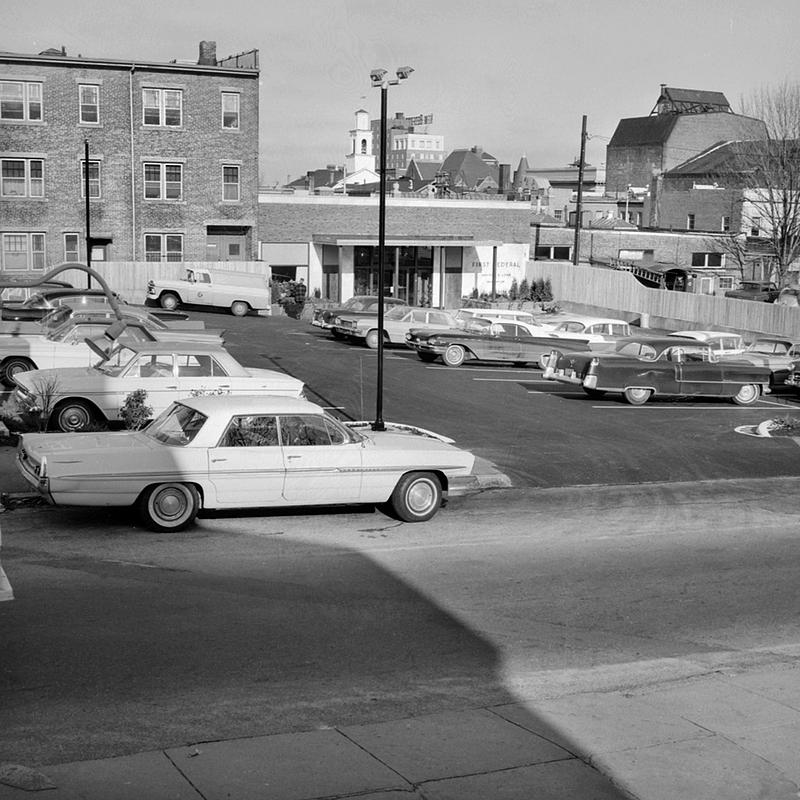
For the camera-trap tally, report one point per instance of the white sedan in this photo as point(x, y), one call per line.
point(597, 330)
point(397, 322)
point(80, 398)
point(245, 452)
point(66, 346)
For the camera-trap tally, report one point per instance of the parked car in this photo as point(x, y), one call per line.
point(593, 329)
point(778, 355)
point(464, 315)
point(177, 321)
point(66, 345)
point(18, 294)
point(642, 368)
point(245, 452)
point(495, 340)
point(360, 304)
point(763, 291)
point(37, 305)
point(722, 343)
point(397, 322)
point(83, 397)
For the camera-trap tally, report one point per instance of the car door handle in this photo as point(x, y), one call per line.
point(215, 460)
point(292, 458)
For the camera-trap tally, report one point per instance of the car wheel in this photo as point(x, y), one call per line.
point(239, 308)
point(428, 358)
point(13, 366)
point(169, 506)
point(636, 396)
point(454, 355)
point(169, 301)
point(747, 394)
point(73, 416)
point(371, 340)
point(594, 393)
point(417, 496)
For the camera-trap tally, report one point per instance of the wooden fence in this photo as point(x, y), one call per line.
point(618, 293)
point(129, 278)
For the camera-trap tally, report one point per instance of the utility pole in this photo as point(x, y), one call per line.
point(87, 210)
point(576, 250)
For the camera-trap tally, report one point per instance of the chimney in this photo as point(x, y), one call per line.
point(208, 54)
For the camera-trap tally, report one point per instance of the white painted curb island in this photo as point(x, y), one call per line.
point(762, 429)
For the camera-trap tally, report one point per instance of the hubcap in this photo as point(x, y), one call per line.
point(170, 504)
point(420, 497)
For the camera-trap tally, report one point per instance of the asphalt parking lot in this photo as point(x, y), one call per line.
point(540, 433)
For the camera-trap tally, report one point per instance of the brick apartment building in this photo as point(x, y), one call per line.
point(172, 159)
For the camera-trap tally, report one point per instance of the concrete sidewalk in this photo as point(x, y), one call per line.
point(721, 735)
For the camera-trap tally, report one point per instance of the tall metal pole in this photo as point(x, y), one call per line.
point(379, 425)
point(88, 224)
point(576, 250)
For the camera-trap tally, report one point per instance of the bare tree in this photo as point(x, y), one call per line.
point(770, 174)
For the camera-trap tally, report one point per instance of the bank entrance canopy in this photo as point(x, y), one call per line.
point(348, 240)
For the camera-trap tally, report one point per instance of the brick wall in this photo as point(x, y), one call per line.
point(200, 144)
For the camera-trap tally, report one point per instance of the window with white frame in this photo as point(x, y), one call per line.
point(20, 101)
point(162, 107)
point(94, 178)
point(690, 222)
point(72, 247)
point(725, 282)
point(163, 247)
point(708, 259)
point(163, 181)
point(755, 226)
point(230, 182)
point(23, 251)
point(230, 110)
point(89, 102)
point(726, 224)
point(22, 177)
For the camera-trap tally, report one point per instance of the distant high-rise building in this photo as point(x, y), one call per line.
point(406, 139)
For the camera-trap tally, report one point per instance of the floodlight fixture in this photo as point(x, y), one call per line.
point(404, 72)
point(377, 76)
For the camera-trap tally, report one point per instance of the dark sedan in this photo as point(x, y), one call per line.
point(513, 342)
point(360, 304)
point(660, 367)
point(44, 301)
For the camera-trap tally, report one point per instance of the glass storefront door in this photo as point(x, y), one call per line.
point(408, 273)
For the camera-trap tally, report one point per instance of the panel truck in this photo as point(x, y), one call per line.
point(240, 292)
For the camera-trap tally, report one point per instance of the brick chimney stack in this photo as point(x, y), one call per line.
point(208, 54)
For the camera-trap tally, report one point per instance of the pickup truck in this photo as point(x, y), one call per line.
point(763, 291)
point(241, 292)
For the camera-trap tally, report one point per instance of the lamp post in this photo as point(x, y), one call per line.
point(379, 81)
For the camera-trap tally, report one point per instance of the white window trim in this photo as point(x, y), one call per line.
point(238, 184)
point(26, 178)
point(29, 251)
point(77, 252)
point(81, 120)
point(26, 102)
point(163, 252)
point(238, 124)
point(162, 167)
point(99, 179)
point(162, 107)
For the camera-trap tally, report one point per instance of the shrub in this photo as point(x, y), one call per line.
point(524, 290)
point(135, 413)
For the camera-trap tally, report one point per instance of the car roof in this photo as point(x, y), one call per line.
point(176, 346)
point(704, 334)
point(251, 404)
point(591, 320)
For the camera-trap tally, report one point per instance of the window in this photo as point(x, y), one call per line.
point(230, 110)
point(72, 247)
point(89, 101)
point(558, 214)
point(552, 253)
point(726, 224)
point(162, 107)
point(23, 251)
point(755, 226)
point(94, 178)
point(251, 431)
point(163, 247)
point(163, 181)
point(22, 177)
point(708, 259)
point(690, 222)
point(725, 282)
point(20, 101)
point(230, 182)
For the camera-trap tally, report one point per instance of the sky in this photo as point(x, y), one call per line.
point(512, 76)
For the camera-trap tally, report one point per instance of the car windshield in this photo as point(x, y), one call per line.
point(35, 301)
point(357, 303)
point(119, 358)
point(177, 426)
point(642, 350)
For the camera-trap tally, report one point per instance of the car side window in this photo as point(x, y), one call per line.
point(251, 431)
point(304, 430)
point(419, 316)
point(199, 366)
point(152, 366)
point(437, 318)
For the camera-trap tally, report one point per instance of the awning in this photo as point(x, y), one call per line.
point(348, 240)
